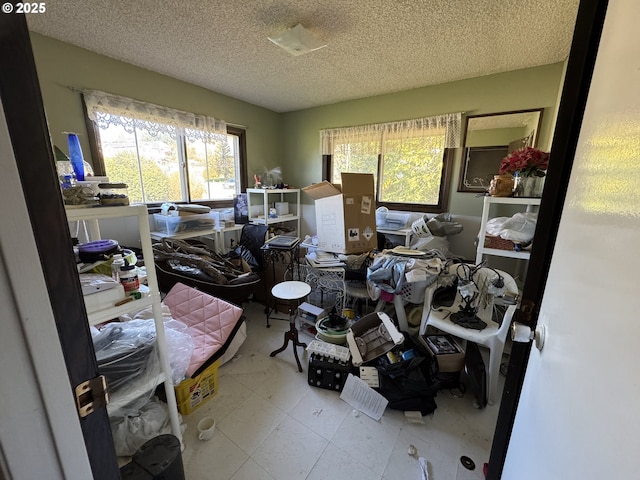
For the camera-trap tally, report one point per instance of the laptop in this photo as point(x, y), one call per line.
point(282, 241)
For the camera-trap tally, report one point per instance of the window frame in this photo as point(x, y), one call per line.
point(445, 180)
point(95, 147)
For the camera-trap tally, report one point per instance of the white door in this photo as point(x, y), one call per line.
point(578, 414)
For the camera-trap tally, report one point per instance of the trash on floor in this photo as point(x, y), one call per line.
point(363, 398)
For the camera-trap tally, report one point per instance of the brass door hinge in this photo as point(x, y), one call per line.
point(91, 395)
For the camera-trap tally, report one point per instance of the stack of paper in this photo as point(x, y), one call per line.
point(96, 282)
point(320, 259)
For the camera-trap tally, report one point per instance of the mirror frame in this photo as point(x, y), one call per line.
point(492, 151)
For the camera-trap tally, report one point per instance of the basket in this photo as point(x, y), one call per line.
point(420, 228)
point(413, 292)
point(491, 241)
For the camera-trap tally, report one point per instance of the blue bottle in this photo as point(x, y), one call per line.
point(75, 155)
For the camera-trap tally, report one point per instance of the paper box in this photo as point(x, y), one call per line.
point(192, 393)
point(449, 355)
point(345, 218)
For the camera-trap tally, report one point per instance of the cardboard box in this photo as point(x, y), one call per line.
point(345, 219)
point(192, 393)
point(449, 355)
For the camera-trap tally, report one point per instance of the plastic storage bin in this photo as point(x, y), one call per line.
point(113, 194)
point(171, 224)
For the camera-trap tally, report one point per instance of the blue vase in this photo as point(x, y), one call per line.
point(75, 155)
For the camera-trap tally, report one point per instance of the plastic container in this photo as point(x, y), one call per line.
point(171, 224)
point(116, 264)
point(113, 194)
point(129, 280)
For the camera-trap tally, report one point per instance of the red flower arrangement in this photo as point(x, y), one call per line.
point(525, 162)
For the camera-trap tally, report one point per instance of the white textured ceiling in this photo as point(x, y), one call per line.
point(374, 47)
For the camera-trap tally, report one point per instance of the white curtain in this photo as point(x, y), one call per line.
point(106, 109)
point(376, 134)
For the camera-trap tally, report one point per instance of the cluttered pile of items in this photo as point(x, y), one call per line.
point(375, 360)
point(393, 367)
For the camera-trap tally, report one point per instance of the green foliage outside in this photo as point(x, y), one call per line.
point(411, 169)
point(159, 186)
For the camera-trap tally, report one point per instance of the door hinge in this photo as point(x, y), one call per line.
point(91, 395)
point(525, 312)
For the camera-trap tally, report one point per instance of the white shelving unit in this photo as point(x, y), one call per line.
point(266, 197)
point(93, 216)
point(488, 201)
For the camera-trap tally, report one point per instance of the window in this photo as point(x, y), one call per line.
point(165, 155)
point(409, 159)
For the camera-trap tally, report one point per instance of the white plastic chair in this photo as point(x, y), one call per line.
point(493, 336)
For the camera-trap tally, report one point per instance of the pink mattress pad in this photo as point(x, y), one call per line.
point(212, 322)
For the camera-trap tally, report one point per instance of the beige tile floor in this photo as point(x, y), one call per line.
point(272, 425)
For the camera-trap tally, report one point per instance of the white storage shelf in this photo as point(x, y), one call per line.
point(488, 202)
point(260, 200)
point(93, 216)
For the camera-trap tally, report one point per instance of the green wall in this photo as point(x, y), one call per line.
point(493, 137)
point(61, 66)
point(519, 90)
point(289, 140)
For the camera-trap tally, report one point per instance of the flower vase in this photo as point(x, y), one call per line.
point(528, 186)
point(75, 155)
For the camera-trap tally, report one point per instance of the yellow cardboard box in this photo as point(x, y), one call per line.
point(192, 393)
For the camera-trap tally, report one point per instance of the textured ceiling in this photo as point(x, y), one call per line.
point(374, 47)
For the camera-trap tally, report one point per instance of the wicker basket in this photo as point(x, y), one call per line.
point(491, 241)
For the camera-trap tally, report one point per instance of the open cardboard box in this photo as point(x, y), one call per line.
point(372, 336)
point(345, 217)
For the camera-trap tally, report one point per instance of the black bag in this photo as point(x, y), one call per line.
point(409, 384)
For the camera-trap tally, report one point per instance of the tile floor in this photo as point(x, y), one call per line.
point(272, 425)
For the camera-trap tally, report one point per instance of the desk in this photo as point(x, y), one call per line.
point(289, 256)
point(216, 235)
point(403, 232)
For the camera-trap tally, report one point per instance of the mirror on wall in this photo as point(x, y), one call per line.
point(488, 139)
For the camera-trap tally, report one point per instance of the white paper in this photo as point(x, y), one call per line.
point(369, 375)
point(363, 398)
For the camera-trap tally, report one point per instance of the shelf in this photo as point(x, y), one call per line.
point(266, 201)
point(93, 215)
point(511, 200)
point(505, 253)
point(98, 213)
point(106, 314)
point(486, 206)
point(270, 220)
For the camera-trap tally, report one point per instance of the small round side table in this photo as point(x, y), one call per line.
point(291, 292)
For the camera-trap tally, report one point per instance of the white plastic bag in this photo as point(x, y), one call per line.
point(134, 429)
point(180, 345)
point(519, 228)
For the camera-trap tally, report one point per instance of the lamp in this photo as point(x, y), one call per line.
point(297, 41)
